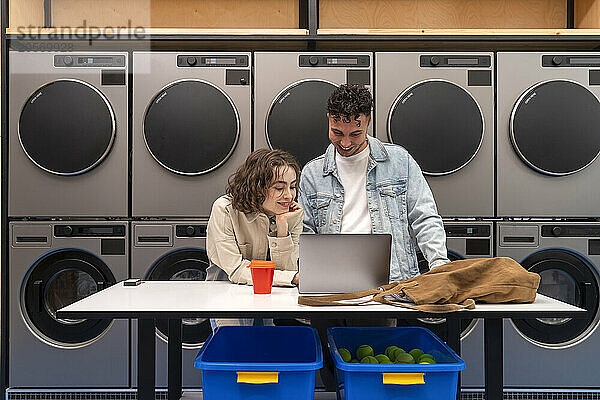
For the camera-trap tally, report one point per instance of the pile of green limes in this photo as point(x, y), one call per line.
point(393, 355)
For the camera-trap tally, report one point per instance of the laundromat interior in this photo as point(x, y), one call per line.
point(498, 101)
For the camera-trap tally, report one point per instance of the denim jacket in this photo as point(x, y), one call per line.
point(398, 197)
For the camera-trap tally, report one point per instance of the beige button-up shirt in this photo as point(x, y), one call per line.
point(234, 238)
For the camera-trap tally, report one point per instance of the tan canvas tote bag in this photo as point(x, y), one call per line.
point(450, 287)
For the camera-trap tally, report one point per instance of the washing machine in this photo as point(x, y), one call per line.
point(171, 250)
point(67, 134)
point(290, 97)
point(191, 129)
point(464, 239)
point(440, 107)
point(548, 142)
point(554, 352)
point(51, 265)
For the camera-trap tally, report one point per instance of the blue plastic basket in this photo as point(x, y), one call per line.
point(271, 362)
point(394, 381)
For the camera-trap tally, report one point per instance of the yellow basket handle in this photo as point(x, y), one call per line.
point(403, 378)
point(257, 377)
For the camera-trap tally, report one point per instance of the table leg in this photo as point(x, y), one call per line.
point(453, 335)
point(146, 359)
point(174, 359)
point(494, 359)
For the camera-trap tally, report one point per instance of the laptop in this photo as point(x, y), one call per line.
point(340, 263)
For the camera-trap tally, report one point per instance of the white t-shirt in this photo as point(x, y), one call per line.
point(353, 174)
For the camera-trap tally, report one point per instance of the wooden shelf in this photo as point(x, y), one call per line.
point(460, 32)
point(323, 35)
point(112, 33)
point(200, 14)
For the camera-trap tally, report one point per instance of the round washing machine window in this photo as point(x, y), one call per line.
point(439, 123)
point(187, 264)
point(438, 325)
point(67, 127)
point(56, 280)
point(566, 276)
point(66, 287)
point(297, 119)
point(555, 127)
point(191, 127)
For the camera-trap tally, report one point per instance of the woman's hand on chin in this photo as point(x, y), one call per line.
point(281, 220)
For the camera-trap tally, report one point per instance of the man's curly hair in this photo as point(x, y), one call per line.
point(349, 102)
point(249, 185)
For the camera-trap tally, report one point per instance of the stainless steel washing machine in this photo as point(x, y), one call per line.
point(171, 250)
point(68, 134)
point(51, 265)
point(440, 107)
point(465, 239)
point(290, 97)
point(548, 141)
point(554, 352)
point(191, 129)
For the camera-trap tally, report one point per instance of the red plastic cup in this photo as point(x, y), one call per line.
point(262, 276)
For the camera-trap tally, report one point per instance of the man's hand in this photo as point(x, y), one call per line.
point(281, 220)
point(295, 280)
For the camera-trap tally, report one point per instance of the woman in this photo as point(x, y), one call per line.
point(257, 219)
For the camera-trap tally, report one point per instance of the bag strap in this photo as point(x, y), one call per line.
point(338, 299)
point(382, 295)
point(468, 304)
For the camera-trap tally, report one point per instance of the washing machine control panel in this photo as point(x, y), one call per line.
point(446, 61)
point(559, 60)
point(74, 230)
point(333, 61)
point(570, 230)
point(475, 239)
point(83, 60)
point(467, 230)
point(190, 230)
point(191, 60)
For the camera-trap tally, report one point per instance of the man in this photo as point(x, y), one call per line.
point(361, 185)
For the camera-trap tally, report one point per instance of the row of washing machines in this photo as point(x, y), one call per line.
point(55, 263)
point(195, 117)
point(115, 159)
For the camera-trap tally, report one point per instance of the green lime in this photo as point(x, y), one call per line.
point(426, 361)
point(389, 351)
point(404, 358)
point(345, 354)
point(396, 353)
point(416, 353)
point(381, 358)
point(369, 360)
point(426, 356)
point(363, 351)
point(386, 362)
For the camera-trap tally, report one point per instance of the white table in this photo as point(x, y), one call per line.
point(174, 300)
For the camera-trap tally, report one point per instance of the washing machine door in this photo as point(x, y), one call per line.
point(439, 123)
point(67, 127)
point(191, 127)
point(438, 325)
point(187, 264)
point(297, 119)
point(54, 281)
point(554, 127)
point(566, 276)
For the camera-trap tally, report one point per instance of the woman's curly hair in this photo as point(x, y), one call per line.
point(349, 101)
point(249, 185)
